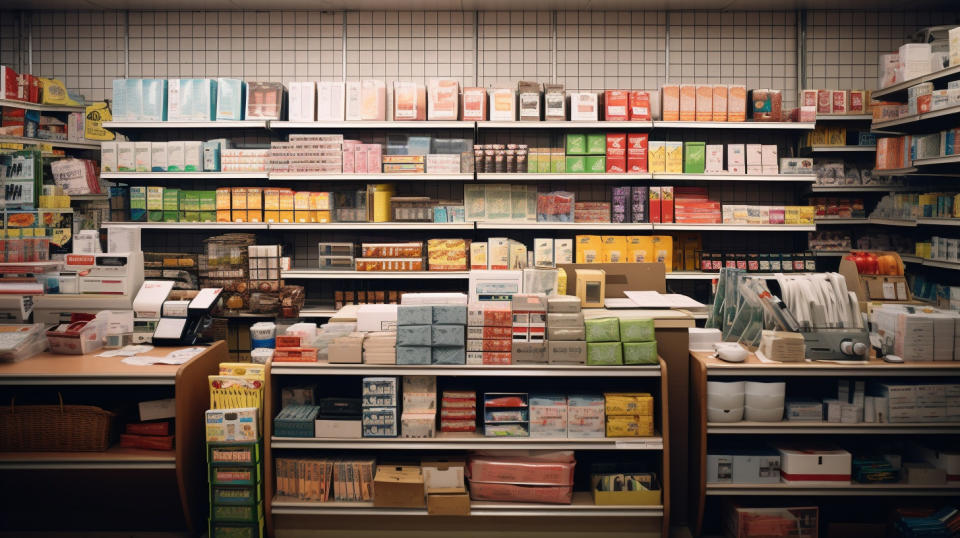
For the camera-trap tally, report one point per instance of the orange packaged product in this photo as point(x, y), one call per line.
point(615, 105)
point(286, 200)
point(688, 102)
point(737, 103)
point(704, 102)
point(271, 199)
point(392, 250)
point(389, 264)
point(670, 108)
point(223, 215)
point(719, 103)
point(223, 198)
point(640, 106)
point(254, 198)
point(888, 153)
point(238, 198)
point(254, 215)
point(447, 254)
point(474, 104)
point(295, 354)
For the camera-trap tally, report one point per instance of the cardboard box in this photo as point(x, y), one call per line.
point(448, 502)
point(670, 108)
point(443, 473)
point(338, 429)
point(704, 103)
point(398, 486)
point(815, 464)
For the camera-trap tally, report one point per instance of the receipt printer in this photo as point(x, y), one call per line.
point(185, 331)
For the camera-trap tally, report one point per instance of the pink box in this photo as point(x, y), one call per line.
point(768, 155)
point(839, 98)
point(373, 100)
point(824, 102)
point(480, 491)
point(349, 159)
point(754, 155)
point(374, 159)
point(776, 215)
point(521, 470)
point(807, 113)
point(809, 98)
point(360, 159)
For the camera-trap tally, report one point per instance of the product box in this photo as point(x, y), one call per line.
point(615, 105)
point(736, 103)
point(398, 487)
point(637, 153)
point(688, 102)
point(670, 107)
point(639, 106)
point(232, 425)
point(814, 464)
point(584, 106)
point(474, 104)
point(704, 109)
point(503, 104)
point(674, 157)
point(719, 103)
point(443, 99)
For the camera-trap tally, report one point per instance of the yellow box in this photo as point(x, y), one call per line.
point(806, 214)
point(301, 200)
point(303, 216)
point(238, 198)
point(223, 215)
point(663, 251)
point(271, 199)
point(628, 403)
point(657, 156)
point(239, 215)
point(322, 216)
point(271, 216)
point(674, 164)
point(614, 249)
point(286, 200)
point(629, 426)
point(791, 214)
point(254, 198)
point(320, 201)
point(447, 254)
point(627, 498)
point(589, 249)
point(639, 249)
point(286, 216)
point(223, 198)
point(254, 215)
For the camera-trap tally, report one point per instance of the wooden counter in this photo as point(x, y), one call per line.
point(117, 474)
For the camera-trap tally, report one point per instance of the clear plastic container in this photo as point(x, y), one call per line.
point(18, 342)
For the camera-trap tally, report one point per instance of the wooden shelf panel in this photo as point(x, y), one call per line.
point(115, 457)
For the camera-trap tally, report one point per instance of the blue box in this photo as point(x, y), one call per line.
point(447, 335)
point(414, 315)
point(413, 335)
point(448, 355)
point(418, 145)
point(231, 99)
point(455, 314)
point(414, 355)
point(153, 99)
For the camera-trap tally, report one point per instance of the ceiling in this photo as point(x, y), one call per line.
point(471, 5)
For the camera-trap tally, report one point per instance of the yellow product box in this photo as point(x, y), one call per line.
point(286, 200)
point(303, 217)
point(657, 156)
point(628, 403)
point(806, 214)
point(956, 205)
point(791, 214)
point(690, 243)
point(271, 199)
point(447, 254)
point(639, 249)
point(223, 215)
point(589, 249)
point(286, 216)
point(615, 249)
point(254, 215)
point(663, 251)
point(154, 198)
point(837, 136)
point(270, 216)
point(674, 159)
point(239, 215)
point(301, 201)
point(223, 199)
point(320, 201)
point(254, 198)
point(238, 198)
point(322, 216)
point(629, 426)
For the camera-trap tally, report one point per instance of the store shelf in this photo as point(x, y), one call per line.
point(469, 370)
point(925, 122)
point(317, 274)
point(893, 222)
point(373, 226)
point(318, 311)
point(113, 458)
point(51, 143)
point(842, 149)
point(893, 171)
point(844, 117)
point(789, 178)
point(831, 428)
point(617, 125)
point(938, 222)
point(564, 226)
point(771, 125)
point(941, 264)
point(582, 506)
point(898, 92)
point(11, 103)
point(829, 221)
point(448, 441)
point(182, 175)
point(362, 178)
point(737, 227)
point(949, 159)
point(911, 259)
point(887, 125)
point(187, 226)
point(223, 124)
point(520, 176)
point(830, 253)
point(696, 275)
point(752, 367)
point(346, 125)
point(842, 489)
point(862, 188)
point(87, 197)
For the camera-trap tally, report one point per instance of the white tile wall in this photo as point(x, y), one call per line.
point(10, 43)
point(514, 45)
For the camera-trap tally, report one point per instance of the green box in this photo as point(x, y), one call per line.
point(558, 163)
point(576, 164)
point(155, 198)
point(694, 157)
point(171, 216)
point(155, 216)
point(138, 204)
point(640, 353)
point(596, 144)
point(189, 201)
point(189, 216)
point(604, 353)
point(576, 144)
point(532, 159)
point(637, 330)
point(208, 216)
point(171, 200)
point(543, 163)
point(602, 329)
point(208, 200)
point(596, 164)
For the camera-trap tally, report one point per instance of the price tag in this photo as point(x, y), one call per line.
point(639, 445)
point(889, 292)
point(901, 291)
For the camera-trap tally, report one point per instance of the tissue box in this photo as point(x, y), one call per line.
point(447, 335)
point(414, 335)
point(604, 353)
point(449, 355)
point(585, 416)
point(636, 330)
point(602, 330)
point(449, 314)
point(414, 355)
point(640, 353)
point(414, 315)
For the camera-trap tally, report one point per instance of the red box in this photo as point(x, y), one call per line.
point(496, 344)
point(149, 442)
point(295, 354)
point(640, 106)
point(809, 98)
point(148, 428)
point(923, 103)
point(616, 165)
point(839, 102)
point(287, 341)
point(655, 204)
point(637, 153)
point(666, 204)
point(615, 105)
point(824, 102)
point(616, 144)
point(489, 333)
point(521, 470)
point(483, 491)
point(8, 83)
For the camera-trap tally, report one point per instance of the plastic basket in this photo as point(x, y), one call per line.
point(68, 428)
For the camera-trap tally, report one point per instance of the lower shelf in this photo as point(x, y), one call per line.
point(468, 441)
point(582, 506)
point(114, 457)
point(834, 490)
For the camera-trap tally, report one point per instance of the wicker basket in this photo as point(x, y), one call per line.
point(67, 428)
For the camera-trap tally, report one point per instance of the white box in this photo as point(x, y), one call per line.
point(175, 156)
point(158, 156)
point(803, 464)
point(157, 409)
point(338, 429)
point(376, 317)
point(108, 156)
point(543, 252)
point(330, 96)
point(719, 469)
point(953, 38)
point(123, 239)
point(302, 105)
point(354, 97)
point(503, 104)
point(148, 304)
point(193, 156)
point(126, 162)
point(563, 251)
point(418, 425)
point(714, 160)
point(584, 106)
point(443, 473)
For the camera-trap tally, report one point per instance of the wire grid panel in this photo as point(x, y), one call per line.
point(754, 48)
point(514, 45)
point(410, 46)
point(611, 49)
point(10, 42)
point(84, 49)
point(843, 47)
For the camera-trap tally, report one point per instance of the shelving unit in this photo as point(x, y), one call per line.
point(704, 368)
point(128, 176)
point(122, 475)
point(845, 117)
point(53, 143)
point(372, 275)
point(842, 149)
point(23, 105)
point(861, 188)
point(186, 226)
point(221, 124)
point(898, 92)
point(648, 517)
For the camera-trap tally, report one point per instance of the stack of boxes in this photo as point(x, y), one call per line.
point(585, 416)
point(629, 414)
point(490, 328)
point(639, 344)
point(613, 341)
point(529, 328)
point(419, 416)
point(565, 331)
point(458, 411)
point(307, 154)
point(693, 206)
point(586, 153)
point(431, 334)
point(236, 498)
point(380, 396)
point(506, 414)
point(548, 415)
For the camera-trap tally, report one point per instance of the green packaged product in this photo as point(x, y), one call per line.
point(604, 353)
point(603, 329)
point(596, 164)
point(639, 353)
point(694, 157)
point(596, 144)
point(558, 163)
point(636, 330)
point(576, 144)
point(576, 164)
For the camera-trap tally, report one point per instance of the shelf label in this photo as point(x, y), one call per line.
point(639, 445)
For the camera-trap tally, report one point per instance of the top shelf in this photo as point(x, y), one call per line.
point(753, 367)
point(898, 92)
point(222, 124)
point(42, 108)
point(845, 117)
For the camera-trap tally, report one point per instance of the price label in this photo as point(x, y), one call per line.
point(889, 292)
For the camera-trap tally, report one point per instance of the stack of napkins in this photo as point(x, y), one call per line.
point(380, 347)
